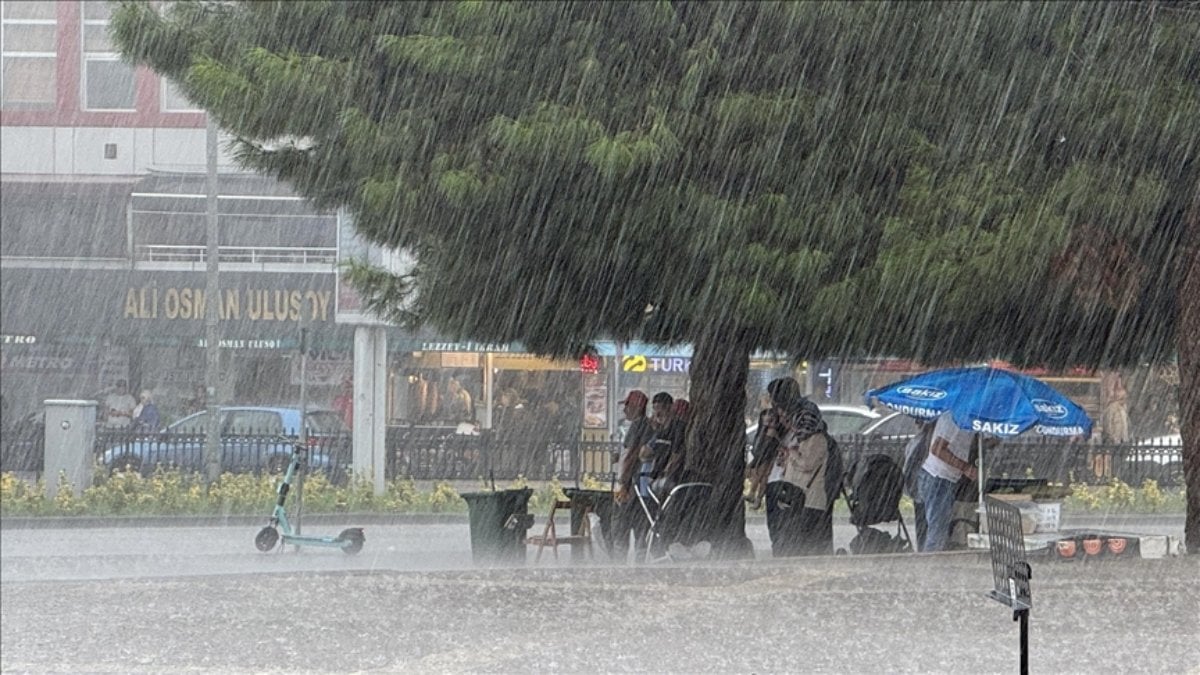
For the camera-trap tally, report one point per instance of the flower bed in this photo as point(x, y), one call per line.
point(171, 492)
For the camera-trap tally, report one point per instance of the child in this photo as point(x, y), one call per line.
point(765, 454)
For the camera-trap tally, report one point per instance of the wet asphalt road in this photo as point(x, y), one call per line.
point(200, 599)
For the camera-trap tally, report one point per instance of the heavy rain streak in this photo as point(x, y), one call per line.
point(651, 336)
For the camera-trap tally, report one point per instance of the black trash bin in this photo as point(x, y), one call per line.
point(498, 523)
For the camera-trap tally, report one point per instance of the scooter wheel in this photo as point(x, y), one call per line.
point(266, 539)
point(354, 540)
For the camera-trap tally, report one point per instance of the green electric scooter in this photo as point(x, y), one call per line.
point(350, 540)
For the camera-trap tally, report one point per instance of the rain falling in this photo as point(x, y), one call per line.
point(653, 336)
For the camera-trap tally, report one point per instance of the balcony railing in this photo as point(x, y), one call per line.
point(311, 255)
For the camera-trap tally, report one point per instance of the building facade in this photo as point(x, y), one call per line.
point(102, 234)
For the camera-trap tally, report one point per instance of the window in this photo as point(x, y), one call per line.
point(27, 55)
point(107, 81)
point(174, 101)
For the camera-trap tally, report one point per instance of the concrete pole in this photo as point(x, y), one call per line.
point(360, 427)
point(303, 432)
point(489, 388)
point(212, 295)
point(615, 414)
point(370, 405)
point(379, 410)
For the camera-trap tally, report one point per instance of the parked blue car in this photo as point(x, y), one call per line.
point(253, 439)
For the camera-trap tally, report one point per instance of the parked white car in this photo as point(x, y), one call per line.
point(842, 420)
point(1160, 450)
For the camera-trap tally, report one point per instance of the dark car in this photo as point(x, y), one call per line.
point(253, 438)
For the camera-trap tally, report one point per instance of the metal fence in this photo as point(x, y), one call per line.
point(21, 445)
point(425, 453)
point(433, 453)
point(1055, 461)
point(240, 453)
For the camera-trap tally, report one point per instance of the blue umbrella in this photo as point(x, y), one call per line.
point(987, 401)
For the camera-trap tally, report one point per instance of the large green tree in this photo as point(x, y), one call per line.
point(819, 178)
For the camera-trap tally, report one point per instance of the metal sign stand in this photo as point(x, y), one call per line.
point(303, 431)
point(1010, 570)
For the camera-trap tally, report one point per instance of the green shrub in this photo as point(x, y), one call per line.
point(173, 492)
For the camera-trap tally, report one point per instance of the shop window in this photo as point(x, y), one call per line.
point(108, 83)
point(27, 55)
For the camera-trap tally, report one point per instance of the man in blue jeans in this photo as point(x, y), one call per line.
point(948, 460)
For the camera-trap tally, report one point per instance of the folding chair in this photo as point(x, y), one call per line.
point(549, 536)
point(677, 513)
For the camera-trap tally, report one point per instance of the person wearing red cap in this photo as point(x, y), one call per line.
point(629, 514)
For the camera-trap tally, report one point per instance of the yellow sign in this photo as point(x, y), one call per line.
point(634, 364)
point(252, 304)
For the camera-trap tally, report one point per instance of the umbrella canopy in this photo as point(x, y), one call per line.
point(987, 401)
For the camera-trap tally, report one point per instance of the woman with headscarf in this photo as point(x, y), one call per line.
point(785, 435)
point(809, 485)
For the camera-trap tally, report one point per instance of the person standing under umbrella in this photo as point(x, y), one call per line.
point(915, 454)
point(938, 480)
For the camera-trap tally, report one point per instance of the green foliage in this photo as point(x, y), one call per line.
point(766, 144)
point(1151, 497)
point(172, 492)
point(590, 482)
point(1117, 497)
point(445, 498)
point(1118, 494)
point(825, 179)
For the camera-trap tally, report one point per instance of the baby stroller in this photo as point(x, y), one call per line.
point(676, 533)
point(872, 488)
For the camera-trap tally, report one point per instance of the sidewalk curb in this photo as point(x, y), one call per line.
point(333, 519)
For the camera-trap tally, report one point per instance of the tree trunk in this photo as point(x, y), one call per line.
point(1188, 340)
point(716, 434)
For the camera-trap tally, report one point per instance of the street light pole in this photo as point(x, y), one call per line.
point(212, 294)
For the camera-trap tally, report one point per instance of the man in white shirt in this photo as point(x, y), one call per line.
point(118, 407)
point(948, 460)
